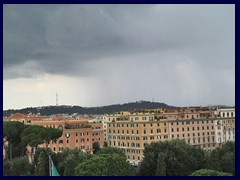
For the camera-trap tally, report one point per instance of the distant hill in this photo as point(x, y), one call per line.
point(50, 110)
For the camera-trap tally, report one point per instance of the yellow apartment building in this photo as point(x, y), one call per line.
point(133, 134)
point(196, 125)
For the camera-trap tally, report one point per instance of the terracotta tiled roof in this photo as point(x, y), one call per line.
point(17, 116)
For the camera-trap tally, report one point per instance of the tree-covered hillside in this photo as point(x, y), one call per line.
point(49, 110)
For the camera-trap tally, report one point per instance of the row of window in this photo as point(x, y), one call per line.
point(138, 138)
point(198, 139)
point(82, 134)
point(133, 125)
point(76, 140)
point(137, 131)
point(193, 128)
point(159, 130)
point(191, 122)
point(97, 139)
point(67, 141)
point(229, 138)
point(188, 135)
point(124, 137)
point(127, 144)
point(145, 138)
point(134, 157)
point(208, 145)
point(131, 151)
point(97, 128)
point(165, 124)
point(229, 128)
point(227, 114)
point(183, 116)
point(96, 134)
point(60, 149)
point(143, 118)
point(137, 118)
point(229, 121)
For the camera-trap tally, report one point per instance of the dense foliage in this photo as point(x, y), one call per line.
point(19, 136)
point(34, 135)
point(11, 132)
point(17, 167)
point(111, 150)
point(223, 158)
point(112, 164)
point(209, 172)
point(171, 158)
point(68, 160)
point(176, 158)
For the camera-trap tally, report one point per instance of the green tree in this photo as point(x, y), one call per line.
point(96, 147)
point(48, 134)
point(31, 136)
point(105, 165)
point(18, 150)
point(161, 165)
point(6, 167)
point(210, 172)
point(41, 161)
point(59, 160)
point(176, 159)
point(12, 131)
point(111, 150)
point(34, 135)
point(70, 166)
point(63, 161)
point(223, 158)
point(17, 167)
point(228, 162)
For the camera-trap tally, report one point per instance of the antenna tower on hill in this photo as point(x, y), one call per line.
point(56, 99)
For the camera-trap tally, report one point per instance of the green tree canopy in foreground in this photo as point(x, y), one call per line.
point(12, 131)
point(223, 158)
point(209, 172)
point(105, 165)
point(17, 167)
point(68, 160)
point(171, 158)
point(34, 135)
point(19, 136)
point(111, 150)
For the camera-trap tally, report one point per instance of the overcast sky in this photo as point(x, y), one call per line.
point(94, 55)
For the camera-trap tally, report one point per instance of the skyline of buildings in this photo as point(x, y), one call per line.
point(131, 130)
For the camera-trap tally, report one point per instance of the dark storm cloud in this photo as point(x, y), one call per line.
point(60, 39)
point(178, 54)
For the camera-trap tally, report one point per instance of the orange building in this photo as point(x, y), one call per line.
point(98, 133)
point(76, 132)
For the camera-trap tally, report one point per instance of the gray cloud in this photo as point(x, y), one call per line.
point(169, 47)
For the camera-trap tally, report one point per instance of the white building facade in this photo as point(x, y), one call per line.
point(225, 125)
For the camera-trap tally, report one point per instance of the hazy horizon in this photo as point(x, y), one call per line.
point(122, 104)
